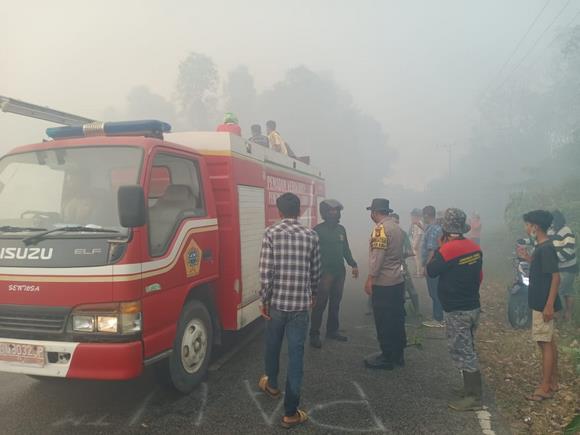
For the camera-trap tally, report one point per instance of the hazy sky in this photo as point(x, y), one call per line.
point(416, 66)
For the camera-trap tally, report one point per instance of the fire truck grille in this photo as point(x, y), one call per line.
point(26, 318)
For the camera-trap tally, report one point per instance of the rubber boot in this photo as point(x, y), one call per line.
point(471, 400)
point(459, 391)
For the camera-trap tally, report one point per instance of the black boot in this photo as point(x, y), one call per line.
point(399, 360)
point(471, 400)
point(315, 341)
point(336, 336)
point(379, 361)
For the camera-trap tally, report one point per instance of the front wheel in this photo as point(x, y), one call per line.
point(189, 360)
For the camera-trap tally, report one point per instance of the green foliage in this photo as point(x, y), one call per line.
point(574, 426)
point(564, 197)
point(196, 92)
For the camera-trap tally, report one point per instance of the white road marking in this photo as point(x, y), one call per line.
point(141, 410)
point(75, 421)
point(268, 419)
point(378, 427)
point(484, 418)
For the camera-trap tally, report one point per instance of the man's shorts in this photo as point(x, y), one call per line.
point(460, 329)
point(567, 283)
point(542, 331)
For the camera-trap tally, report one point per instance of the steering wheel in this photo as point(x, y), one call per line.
point(38, 217)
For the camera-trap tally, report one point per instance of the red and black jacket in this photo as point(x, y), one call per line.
point(458, 264)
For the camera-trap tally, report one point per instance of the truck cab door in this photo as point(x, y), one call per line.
point(183, 243)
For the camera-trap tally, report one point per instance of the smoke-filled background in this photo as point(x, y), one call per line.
point(452, 103)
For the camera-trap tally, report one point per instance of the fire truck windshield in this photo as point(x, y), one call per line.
point(49, 189)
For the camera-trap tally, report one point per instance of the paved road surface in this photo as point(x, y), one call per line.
point(339, 393)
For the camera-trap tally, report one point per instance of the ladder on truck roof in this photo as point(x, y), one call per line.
point(11, 105)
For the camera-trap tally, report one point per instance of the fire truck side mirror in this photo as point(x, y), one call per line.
point(131, 204)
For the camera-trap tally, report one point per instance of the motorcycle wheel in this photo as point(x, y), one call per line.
point(519, 314)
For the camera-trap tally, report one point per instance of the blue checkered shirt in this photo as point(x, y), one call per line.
point(430, 241)
point(290, 266)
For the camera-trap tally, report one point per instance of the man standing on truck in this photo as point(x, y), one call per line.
point(334, 249)
point(275, 139)
point(258, 137)
point(386, 286)
point(289, 273)
point(230, 125)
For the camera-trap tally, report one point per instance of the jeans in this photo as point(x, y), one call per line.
point(295, 326)
point(389, 313)
point(330, 292)
point(432, 284)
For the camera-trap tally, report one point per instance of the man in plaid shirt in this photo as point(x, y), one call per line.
point(290, 269)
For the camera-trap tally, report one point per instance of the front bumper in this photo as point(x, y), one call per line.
point(106, 361)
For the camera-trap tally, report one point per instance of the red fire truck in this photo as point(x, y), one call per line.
point(124, 245)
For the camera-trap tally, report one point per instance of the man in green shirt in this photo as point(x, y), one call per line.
point(334, 250)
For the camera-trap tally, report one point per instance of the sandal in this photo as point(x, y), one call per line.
point(274, 393)
point(298, 418)
point(539, 396)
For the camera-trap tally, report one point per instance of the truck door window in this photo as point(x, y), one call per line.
point(174, 194)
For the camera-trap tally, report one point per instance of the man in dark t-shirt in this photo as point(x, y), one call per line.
point(543, 298)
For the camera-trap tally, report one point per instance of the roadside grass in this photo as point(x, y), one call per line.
point(511, 365)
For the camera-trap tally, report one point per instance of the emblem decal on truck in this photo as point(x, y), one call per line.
point(192, 259)
point(26, 253)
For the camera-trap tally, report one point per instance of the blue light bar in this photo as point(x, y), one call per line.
point(125, 128)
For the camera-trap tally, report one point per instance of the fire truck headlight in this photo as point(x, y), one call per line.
point(131, 317)
point(83, 323)
point(131, 323)
point(107, 324)
point(122, 318)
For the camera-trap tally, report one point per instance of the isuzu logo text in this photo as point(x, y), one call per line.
point(26, 253)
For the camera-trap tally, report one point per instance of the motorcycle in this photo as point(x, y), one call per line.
point(519, 313)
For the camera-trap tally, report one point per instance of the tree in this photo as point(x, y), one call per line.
point(240, 95)
point(143, 104)
point(196, 92)
point(317, 118)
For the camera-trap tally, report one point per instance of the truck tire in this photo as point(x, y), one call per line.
point(189, 360)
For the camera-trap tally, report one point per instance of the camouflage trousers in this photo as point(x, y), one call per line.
point(460, 328)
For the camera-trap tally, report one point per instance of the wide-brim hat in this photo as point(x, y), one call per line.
point(455, 222)
point(380, 204)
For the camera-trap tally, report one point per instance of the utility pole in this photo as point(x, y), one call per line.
point(449, 148)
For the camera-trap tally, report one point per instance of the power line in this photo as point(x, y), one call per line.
point(573, 19)
point(517, 47)
point(535, 44)
point(568, 26)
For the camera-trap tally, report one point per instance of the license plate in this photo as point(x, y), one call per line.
point(29, 354)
